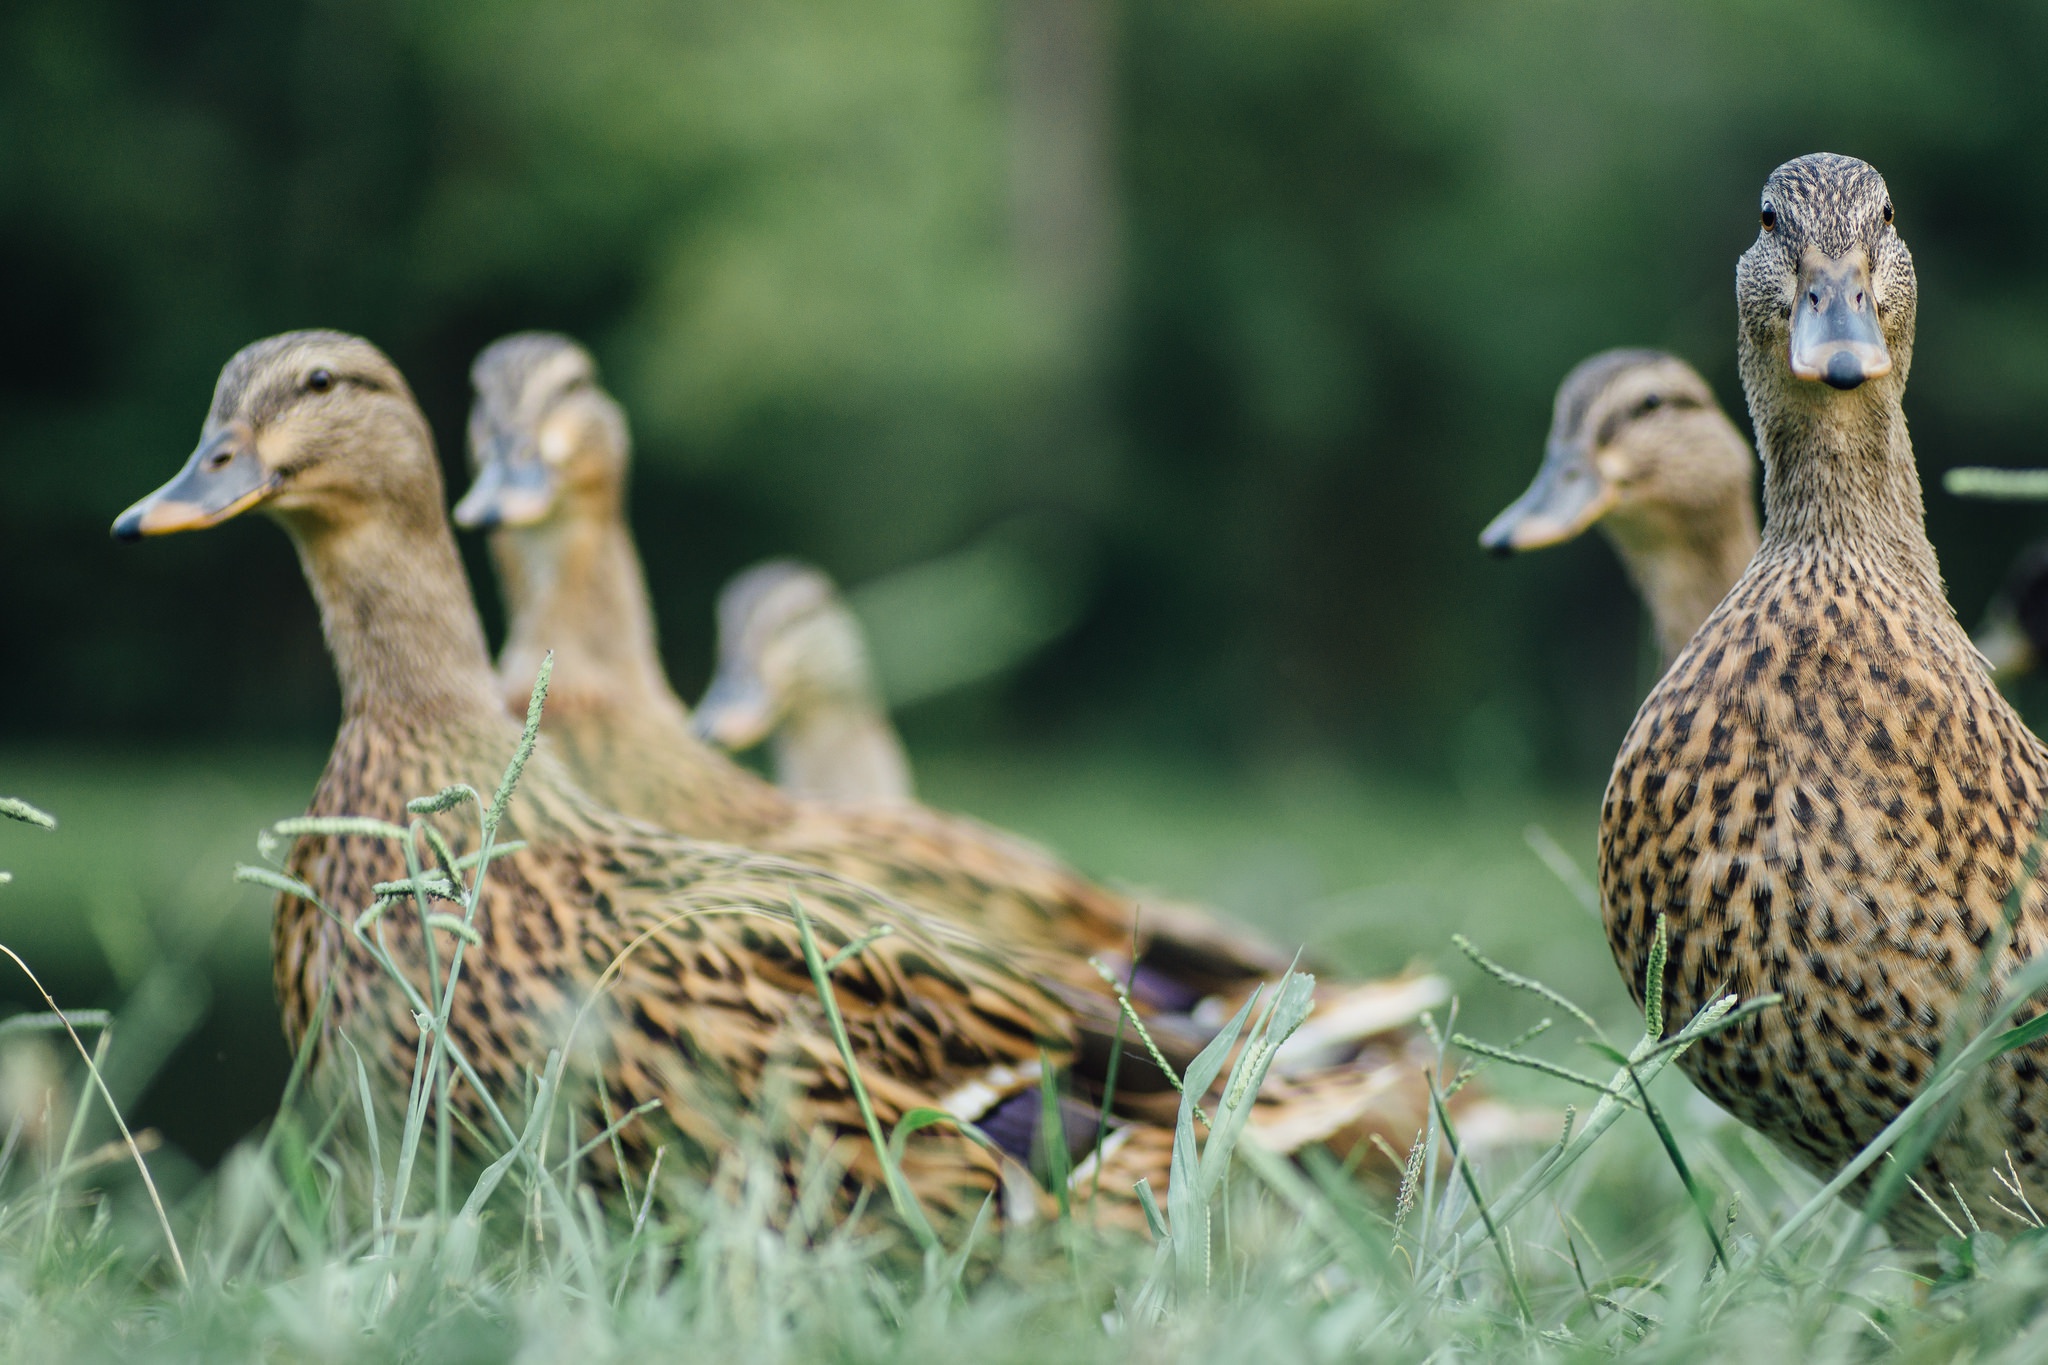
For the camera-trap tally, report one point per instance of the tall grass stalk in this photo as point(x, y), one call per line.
point(324, 1240)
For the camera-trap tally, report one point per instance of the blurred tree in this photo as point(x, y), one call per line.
point(1266, 303)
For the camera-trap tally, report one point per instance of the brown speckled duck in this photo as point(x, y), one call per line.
point(1639, 446)
point(1825, 795)
point(793, 670)
point(550, 450)
point(319, 431)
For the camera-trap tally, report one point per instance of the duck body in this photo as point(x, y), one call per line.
point(623, 735)
point(667, 968)
point(1824, 797)
point(574, 587)
point(710, 992)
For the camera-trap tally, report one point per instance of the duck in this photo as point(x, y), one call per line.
point(682, 957)
point(1639, 446)
point(1824, 798)
point(793, 670)
point(550, 452)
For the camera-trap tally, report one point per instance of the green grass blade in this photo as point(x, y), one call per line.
point(1537, 1064)
point(99, 1081)
point(1653, 981)
point(1997, 485)
point(1517, 981)
point(1052, 1138)
point(1187, 1203)
point(1693, 1189)
point(49, 1021)
point(14, 808)
point(1649, 1057)
point(1486, 1219)
point(528, 738)
point(900, 1195)
point(446, 799)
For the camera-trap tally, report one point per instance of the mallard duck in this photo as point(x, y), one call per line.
point(550, 451)
point(1638, 445)
point(1825, 797)
point(793, 669)
point(709, 992)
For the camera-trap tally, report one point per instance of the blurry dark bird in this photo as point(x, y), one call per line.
point(1824, 796)
point(550, 448)
point(1639, 446)
point(685, 954)
point(793, 670)
point(2014, 632)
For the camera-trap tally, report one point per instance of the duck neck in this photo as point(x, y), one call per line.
point(1840, 482)
point(1683, 569)
point(574, 586)
point(841, 748)
point(396, 609)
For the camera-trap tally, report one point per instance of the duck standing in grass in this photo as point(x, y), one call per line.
point(1824, 796)
point(550, 449)
point(1639, 447)
point(793, 671)
point(687, 954)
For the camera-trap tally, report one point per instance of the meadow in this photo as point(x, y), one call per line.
point(1653, 1229)
point(1231, 325)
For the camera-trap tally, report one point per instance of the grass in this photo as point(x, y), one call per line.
point(1651, 1230)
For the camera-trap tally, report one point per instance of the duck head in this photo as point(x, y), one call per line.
point(1827, 291)
point(786, 641)
point(315, 428)
point(542, 435)
point(1638, 444)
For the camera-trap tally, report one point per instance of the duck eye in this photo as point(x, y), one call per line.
point(1887, 210)
point(1651, 402)
point(1769, 217)
point(320, 381)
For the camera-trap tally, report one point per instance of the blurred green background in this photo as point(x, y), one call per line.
point(1241, 318)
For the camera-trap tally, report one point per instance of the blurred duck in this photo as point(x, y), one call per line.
point(793, 670)
point(2014, 632)
point(693, 946)
point(550, 450)
point(1639, 446)
point(1825, 798)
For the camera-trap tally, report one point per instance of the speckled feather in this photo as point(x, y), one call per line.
point(710, 1000)
point(716, 989)
point(574, 587)
point(1824, 795)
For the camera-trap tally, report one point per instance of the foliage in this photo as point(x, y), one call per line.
point(1353, 246)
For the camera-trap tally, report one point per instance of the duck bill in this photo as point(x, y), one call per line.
point(1568, 495)
point(224, 478)
point(514, 491)
point(1835, 336)
point(736, 713)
